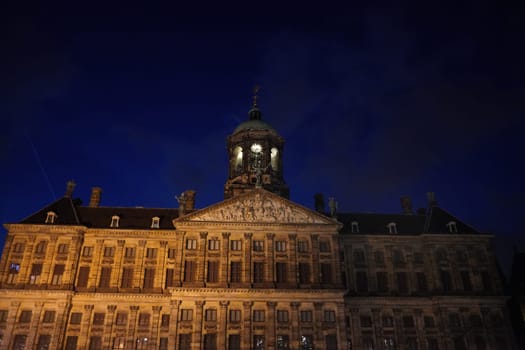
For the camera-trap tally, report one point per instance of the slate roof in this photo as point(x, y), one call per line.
point(435, 221)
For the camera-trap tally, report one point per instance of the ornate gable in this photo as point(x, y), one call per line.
point(257, 206)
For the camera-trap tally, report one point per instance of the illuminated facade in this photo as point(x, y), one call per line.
point(255, 271)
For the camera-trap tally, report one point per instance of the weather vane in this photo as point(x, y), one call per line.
point(256, 89)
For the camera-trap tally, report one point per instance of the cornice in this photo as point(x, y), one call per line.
point(36, 228)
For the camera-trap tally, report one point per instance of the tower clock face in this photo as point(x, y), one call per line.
point(256, 148)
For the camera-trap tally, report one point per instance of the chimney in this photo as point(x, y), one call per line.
point(432, 202)
point(70, 188)
point(319, 202)
point(94, 201)
point(406, 205)
point(332, 204)
point(190, 199)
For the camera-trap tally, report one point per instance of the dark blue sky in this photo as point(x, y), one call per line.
point(374, 102)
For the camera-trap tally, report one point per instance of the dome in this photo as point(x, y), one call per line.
point(253, 125)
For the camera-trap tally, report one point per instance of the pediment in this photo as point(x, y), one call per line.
point(257, 206)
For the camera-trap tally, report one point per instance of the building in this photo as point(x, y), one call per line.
point(254, 271)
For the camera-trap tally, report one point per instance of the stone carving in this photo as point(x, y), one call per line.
point(259, 208)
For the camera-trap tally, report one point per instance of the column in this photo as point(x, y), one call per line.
point(270, 265)
point(197, 325)
point(355, 333)
point(140, 259)
point(174, 324)
point(246, 325)
point(132, 326)
point(222, 341)
point(376, 323)
point(318, 324)
point(270, 325)
point(177, 273)
point(45, 278)
point(160, 270)
point(35, 325)
point(225, 248)
point(108, 326)
point(117, 268)
point(315, 262)
point(418, 315)
point(341, 326)
point(155, 326)
point(398, 326)
point(86, 325)
point(294, 338)
point(247, 264)
point(293, 275)
point(201, 263)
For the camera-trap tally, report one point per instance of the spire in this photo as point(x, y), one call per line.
point(255, 112)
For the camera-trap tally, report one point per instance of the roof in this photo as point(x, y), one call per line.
point(63, 207)
point(253, 125)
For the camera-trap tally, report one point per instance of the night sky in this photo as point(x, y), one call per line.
point(374, 103)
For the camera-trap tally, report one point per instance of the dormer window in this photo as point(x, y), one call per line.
point(51, 217)
point(155, 222)
point(392, 228)
point(355, 227)
point(452, 227)
point(114, 221)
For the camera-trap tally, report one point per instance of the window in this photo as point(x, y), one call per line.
point(83, 276)
point(14, 268)
point(18, 248)
point(258, 272)
point(446, 281)
point(210, 341)
point(98, 318)
point(19, 342)
point(3, 316)
point(171, 253)
point(170, 281)
point(95, 342)
point(402, 282)
point(41, 247)
point(122, 319)
point(43, 342)
point(155, 222)
point(368, 343)
point(379, 257)
point(304, 273)
point(330, 342)
point(63, 248)
point(258, 342)
point(210, 315)
point(412, 343)
point(326, 273)
point(302, 246)
point(461, 256)
point(392, 228)
point(429, 322)
point(281, 272)
point(235, 315)
point(465, 279)
point(389, 343)
point(144, 319)
point(87, 252)
point(486, 281)
point(190, 271)
point(480, 343)
point(258, 246)
point(418, 258)
point(280, 246)
point(382, 281)
point(71, 342)
point(36, 271)
point(408, 321)
point(191, 244)
point(149, 278)
point(453, 320)
point(186, 314)
point(306, 316)
point(58, 272)
point(359, 256)
point(282, 315)
point(25, 316)
point(114, 221)
point(129, 252)
point(397, 257)
point(213, 271)
point(361, 282)
point(441, 254)
point(214, 244)
point(459, 344)
point(165, 320)
point(258, 315)
point(151, 253)
point(105, 277)
point(274, 159)
point(236, 245)
point(235, 271)
point(329, 316)
point(355, 227)
point(163, 344)
point(127, 278)
point(452, 227)
point(237, 160)
point(234, 342)
point(283, 342)
point(76, 318)
point(475, 321)
point(366, 321)
point(307, 342)
point(432, 344)
point(184, 341)
point(109, 252)
point(388, 321)
point(51, 217)
point(421, 282)
point(324, 246)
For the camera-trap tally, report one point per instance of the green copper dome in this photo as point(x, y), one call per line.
point(253, 125)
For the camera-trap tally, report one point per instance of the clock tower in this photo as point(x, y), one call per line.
point(255, 152)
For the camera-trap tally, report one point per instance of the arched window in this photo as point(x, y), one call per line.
point(155, 221)
point(392, 228)
point(452, 227)
point(114, 221)
point(237, 160)
point(274, 159)
point(51, 217)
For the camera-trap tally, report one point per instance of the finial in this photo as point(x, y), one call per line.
point(256, 89)
point(70, 188)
